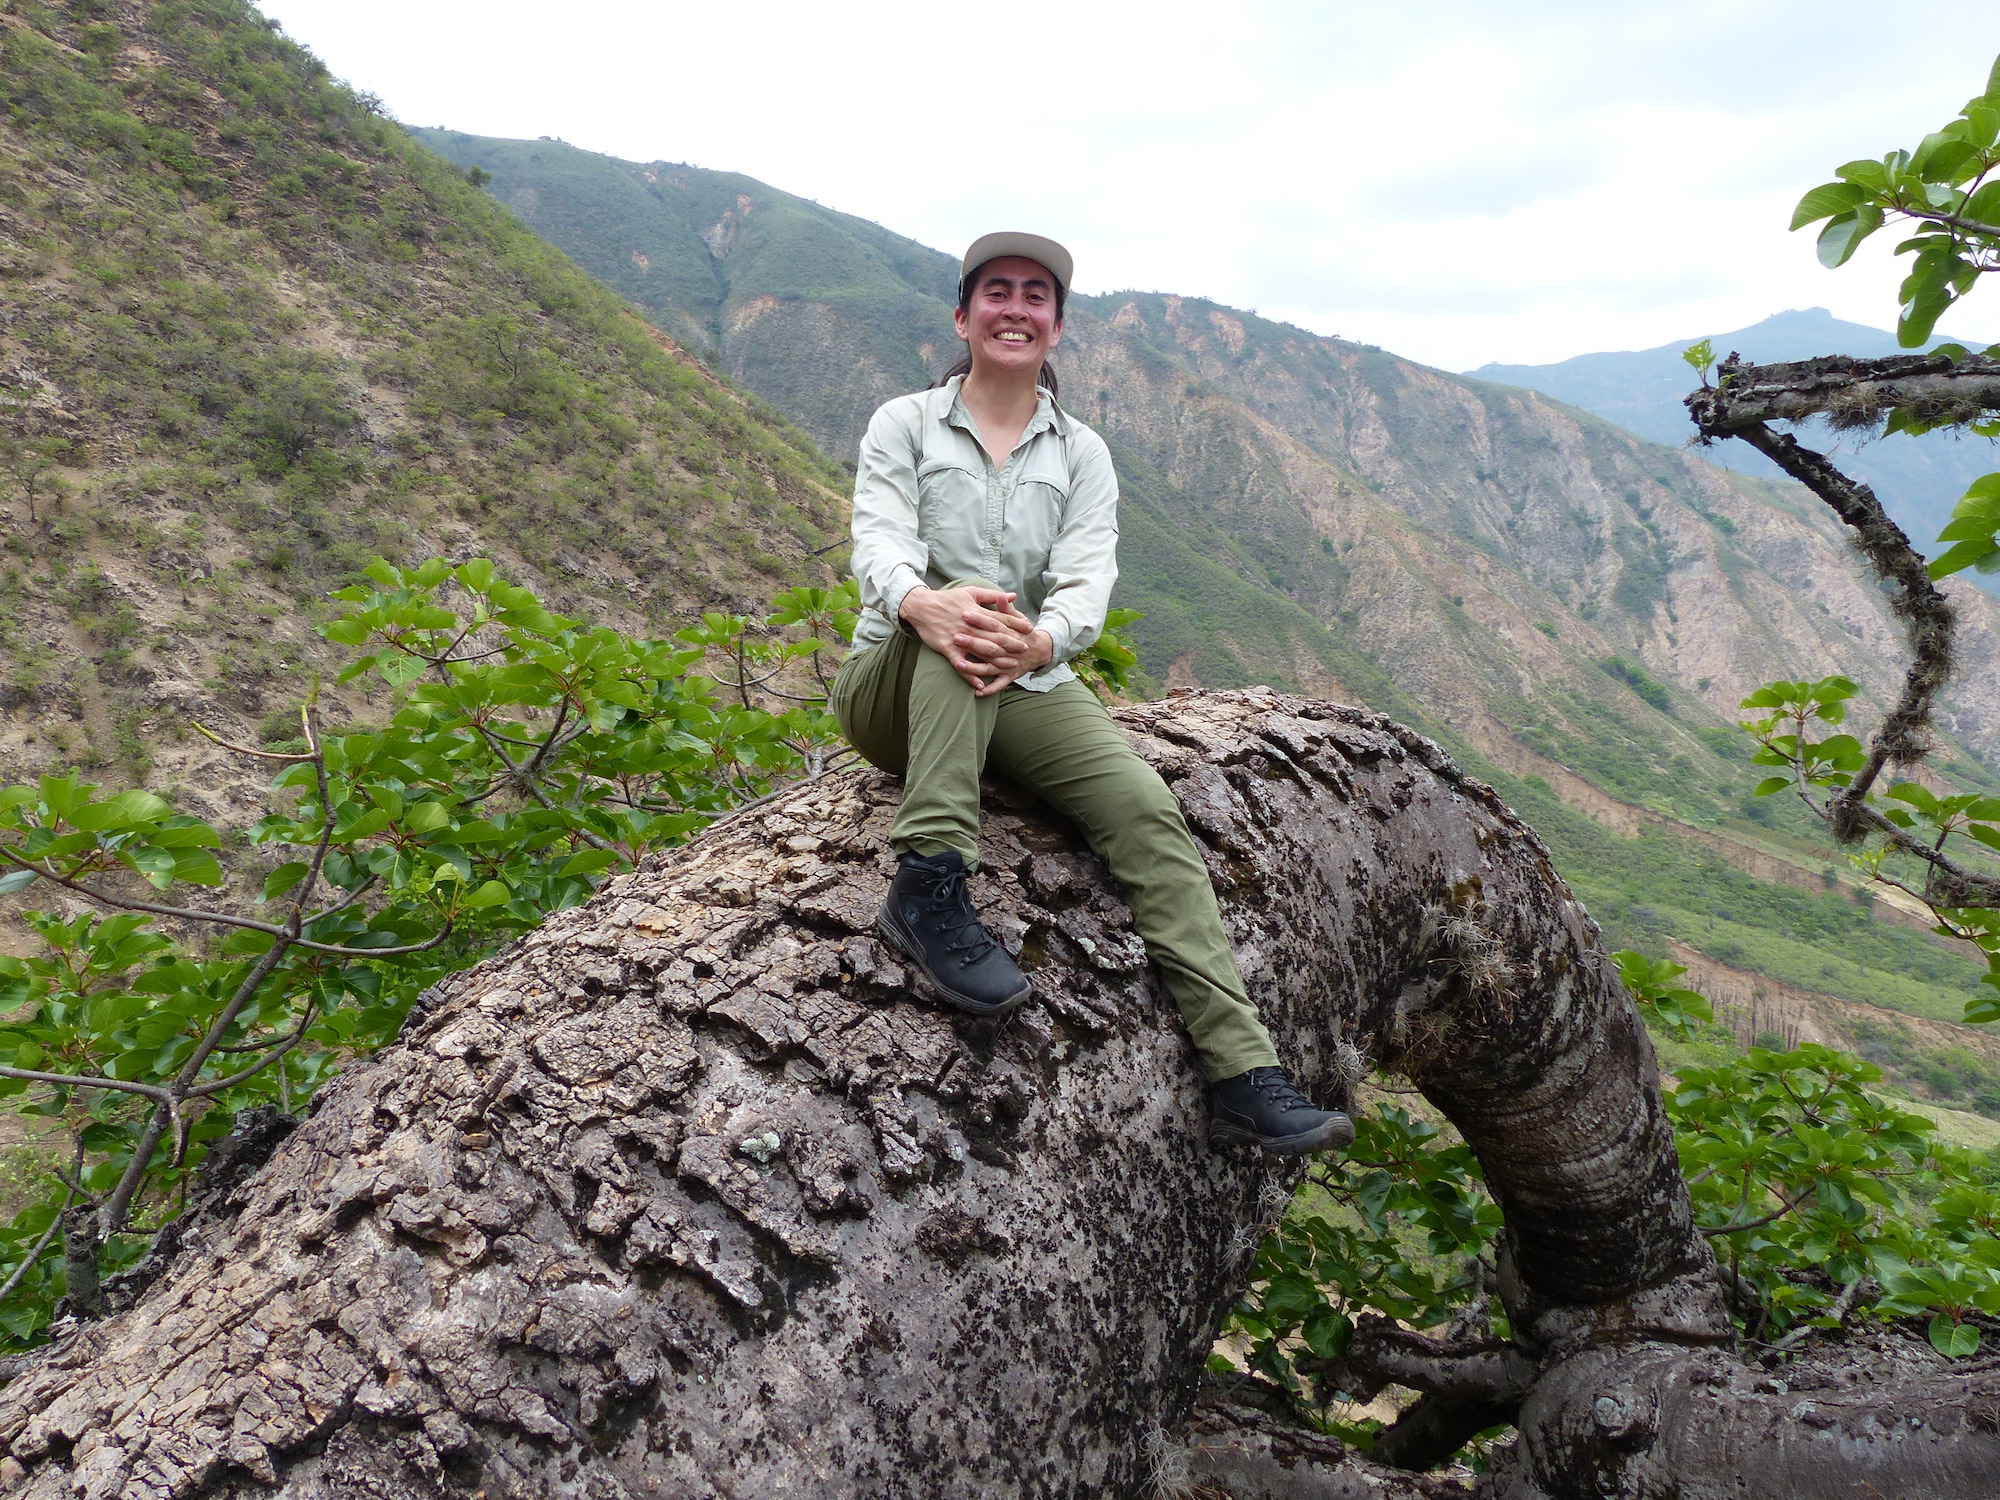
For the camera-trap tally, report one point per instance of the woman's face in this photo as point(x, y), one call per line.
point(1012, 323)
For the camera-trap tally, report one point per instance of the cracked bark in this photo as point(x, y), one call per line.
point(547, 1246)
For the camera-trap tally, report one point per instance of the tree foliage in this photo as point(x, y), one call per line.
point(1827, 1204)
point(1945, 187)
point(528, 756)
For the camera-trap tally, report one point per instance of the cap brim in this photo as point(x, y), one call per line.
point(1038, 248)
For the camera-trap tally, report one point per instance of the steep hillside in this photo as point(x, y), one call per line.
point(1918, 478)
point(1577, 609)
point(251, 335)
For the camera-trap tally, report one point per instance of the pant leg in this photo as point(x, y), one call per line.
point(904, 708)
point(1064, 746)
point(870, 696)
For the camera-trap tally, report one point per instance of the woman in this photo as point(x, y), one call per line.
point(985, 544)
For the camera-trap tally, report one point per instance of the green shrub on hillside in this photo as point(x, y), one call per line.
point(526, 758)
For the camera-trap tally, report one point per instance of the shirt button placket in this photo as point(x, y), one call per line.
point(995, 502)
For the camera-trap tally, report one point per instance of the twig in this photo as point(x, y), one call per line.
point(84, 1081)
point(55, 1226)
point(203, 729)
point(846, 759)
point(1843, 1305)
point(217, 1085)
point(521, 776)
point(1769, 1218)
point(191, 914)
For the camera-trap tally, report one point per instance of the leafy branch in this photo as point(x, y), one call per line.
point(524, 758)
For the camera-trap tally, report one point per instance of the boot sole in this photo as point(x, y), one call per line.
point(1335, 1135)
point(888, 927)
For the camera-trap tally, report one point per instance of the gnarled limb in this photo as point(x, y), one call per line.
point(1466, 1388)
point(1240, 1453)
point(546, 1246)
point(1857, 392)
point(1649, 1421)
point(1849, 393)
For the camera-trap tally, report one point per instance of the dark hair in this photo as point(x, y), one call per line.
point(966, 286)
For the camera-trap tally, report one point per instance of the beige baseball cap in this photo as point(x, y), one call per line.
point(1036, 247)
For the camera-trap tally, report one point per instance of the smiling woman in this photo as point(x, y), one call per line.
point(1012, 301)
point(985, 544)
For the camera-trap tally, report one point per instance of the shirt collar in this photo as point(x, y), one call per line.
point(1048, 412)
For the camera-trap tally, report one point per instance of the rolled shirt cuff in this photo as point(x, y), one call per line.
point(900, 583)
point(1059, 636)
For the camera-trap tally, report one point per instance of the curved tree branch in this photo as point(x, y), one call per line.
point(1857, 392)
point(1849, 393)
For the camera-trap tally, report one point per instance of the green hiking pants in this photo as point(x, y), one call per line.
point(904, 708)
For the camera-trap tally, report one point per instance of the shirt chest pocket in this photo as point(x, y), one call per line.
point(1037, 509)
point(951, 513)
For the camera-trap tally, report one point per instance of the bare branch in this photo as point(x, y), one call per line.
point(84, 1081)
point(311, 882)
point(282, 1044)
point(224, 919)
point(112, 1212)
point(1770, 1218)
point(204, 730)
point(523, 777)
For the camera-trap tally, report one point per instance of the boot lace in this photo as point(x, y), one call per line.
point(1276, 1089)
point(957, 922)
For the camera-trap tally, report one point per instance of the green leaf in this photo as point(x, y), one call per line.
point(284, 878)
point(1984, 204)
point(492, 893)
point(425, 817)
point(1969, 554)
point(1953, 1340)
point(197, 867)
point(588, 862)
point(1701, 355)
point(1972, 528)
point(398, 669)
point(1769, 785)
point(1289, 1299)
point(1843, 236)
point(1327, 1332)
point(1822, 202)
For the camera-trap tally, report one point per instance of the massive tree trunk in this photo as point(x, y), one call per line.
point(683, 1195)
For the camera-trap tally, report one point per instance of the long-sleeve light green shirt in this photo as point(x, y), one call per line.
point(929, 507)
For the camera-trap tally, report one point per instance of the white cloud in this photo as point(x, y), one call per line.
point(1460, 181)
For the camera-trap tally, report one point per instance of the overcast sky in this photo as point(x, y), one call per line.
point(1457, 180)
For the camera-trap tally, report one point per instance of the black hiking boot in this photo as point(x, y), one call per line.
point(930, 917)
point(1263, 1108)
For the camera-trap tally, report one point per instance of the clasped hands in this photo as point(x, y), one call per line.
point(987, 641)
